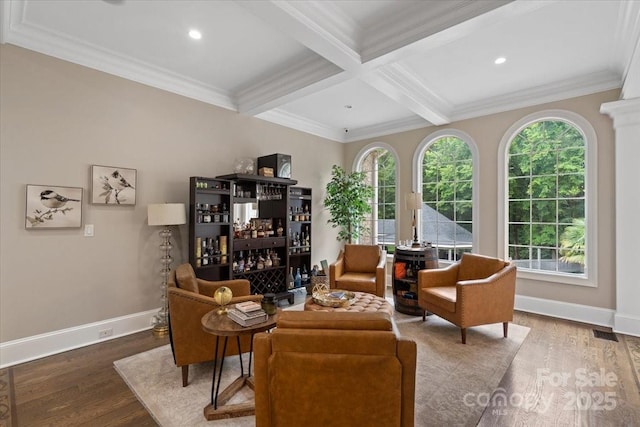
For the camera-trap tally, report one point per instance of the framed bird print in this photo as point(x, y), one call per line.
point(112, 185)
point(50, 206)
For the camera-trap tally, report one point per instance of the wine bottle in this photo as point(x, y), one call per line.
point(291, 280)
point(305, 275)
point(298, 279)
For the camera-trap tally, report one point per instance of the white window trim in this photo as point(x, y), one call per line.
point(357, 161)
point(591, 199)
point(417, 177)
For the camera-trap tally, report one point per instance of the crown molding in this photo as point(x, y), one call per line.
point(387, 128)
point(627, 33)
point(294, 121)
point(565, 89)
point(78, 52)
point(299, 78)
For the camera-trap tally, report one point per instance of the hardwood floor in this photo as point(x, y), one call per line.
point(81, 387)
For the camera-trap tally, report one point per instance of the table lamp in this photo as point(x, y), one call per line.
point(165, 214)
point(413, 202)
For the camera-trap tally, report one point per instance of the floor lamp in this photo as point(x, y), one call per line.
point(165, 214)
point(414, 203)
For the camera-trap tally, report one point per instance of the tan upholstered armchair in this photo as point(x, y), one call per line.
point(360, 268)
point(334, 369)
point(189, 299)
point(477, 290)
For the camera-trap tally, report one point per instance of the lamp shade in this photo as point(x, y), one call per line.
point(166, 214)
point(413, 201)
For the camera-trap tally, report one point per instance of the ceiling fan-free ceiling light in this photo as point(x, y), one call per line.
point(500, 60)
point(195, 34)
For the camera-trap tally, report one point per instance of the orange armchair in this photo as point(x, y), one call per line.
point(334, 369)
point(189, 299)
point(360, 268)
point(477, 290)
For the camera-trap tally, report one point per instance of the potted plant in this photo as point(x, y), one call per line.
point(348, 200)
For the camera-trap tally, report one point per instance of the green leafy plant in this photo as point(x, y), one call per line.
point(572, 242)
point(348, 200)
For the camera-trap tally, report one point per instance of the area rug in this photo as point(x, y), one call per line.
point(450, 376)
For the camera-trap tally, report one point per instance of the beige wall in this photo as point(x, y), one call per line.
point(487, 133)
point(57, 119)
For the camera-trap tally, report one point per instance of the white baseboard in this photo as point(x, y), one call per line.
point(37, 346)
point(628, 325)
point(565, 310)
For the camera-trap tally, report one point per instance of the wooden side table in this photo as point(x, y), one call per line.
point(223, 327)
point(406, 264)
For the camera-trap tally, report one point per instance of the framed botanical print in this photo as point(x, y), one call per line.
point(50, 206)
point(112, 185)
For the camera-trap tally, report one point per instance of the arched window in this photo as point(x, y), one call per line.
point(548, 195)
point(378, 161)
point(446, 163)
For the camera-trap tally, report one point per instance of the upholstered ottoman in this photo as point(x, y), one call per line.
point(363, 302)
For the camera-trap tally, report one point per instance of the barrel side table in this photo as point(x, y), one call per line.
point(406, 264)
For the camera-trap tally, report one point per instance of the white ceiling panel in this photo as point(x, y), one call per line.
point(156, 32)
point(548, 45)
point(369, 107)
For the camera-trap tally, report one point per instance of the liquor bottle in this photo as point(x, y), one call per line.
point(260, 262)
point(291, 280)
point(198, 251)
point(307, 215)
point(205, 252)
point(297, 282)
point(305, 275)
point(241, 263)
point(268, 263)
point(279, 230)
point(216, 252)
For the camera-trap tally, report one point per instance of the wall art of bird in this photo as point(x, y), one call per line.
point(53, 200)
point(118, 182)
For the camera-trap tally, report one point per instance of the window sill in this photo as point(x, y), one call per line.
point(563, 279)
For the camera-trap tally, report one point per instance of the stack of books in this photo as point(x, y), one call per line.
point(247, 313)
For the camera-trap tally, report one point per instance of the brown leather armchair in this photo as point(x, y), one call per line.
point(360, 268)
point(189, 299)
point(334, 369)
point(477, 290)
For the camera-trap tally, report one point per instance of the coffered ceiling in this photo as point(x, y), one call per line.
point(346, 70)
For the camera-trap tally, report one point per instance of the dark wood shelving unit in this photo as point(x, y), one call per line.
point(272, 200)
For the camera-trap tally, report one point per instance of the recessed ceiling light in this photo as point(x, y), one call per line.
point(500, 60)
point(195, 34)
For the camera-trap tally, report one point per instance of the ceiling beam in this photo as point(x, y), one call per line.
point(401, 85)
point(315, 25)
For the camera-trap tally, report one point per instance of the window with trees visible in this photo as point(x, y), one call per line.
point(546, 205)
point(447, 192)
point(379, 165)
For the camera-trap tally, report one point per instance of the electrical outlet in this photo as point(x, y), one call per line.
point(88, 230)
point(105, 333)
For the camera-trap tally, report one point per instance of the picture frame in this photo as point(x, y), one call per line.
point(325, 267)
point(53, 206)
point(113, 186)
